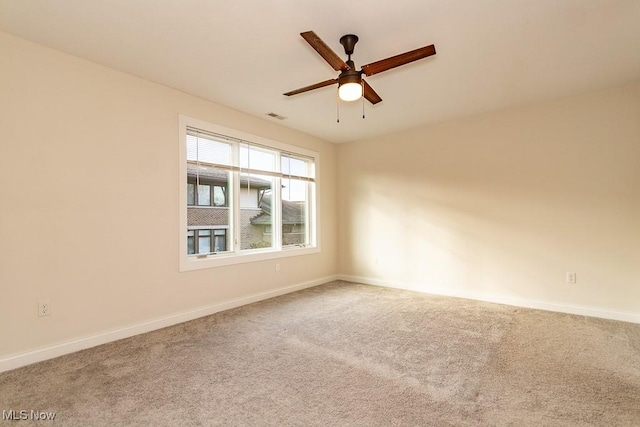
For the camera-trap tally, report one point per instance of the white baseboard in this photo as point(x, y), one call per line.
point(29, 357)
point(498, 299)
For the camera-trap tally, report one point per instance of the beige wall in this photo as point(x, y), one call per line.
point(89, 201)
point(499, 206)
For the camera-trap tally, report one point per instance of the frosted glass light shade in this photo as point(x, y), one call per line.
point(350, 91)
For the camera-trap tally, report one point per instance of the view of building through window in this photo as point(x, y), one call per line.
point(238, 193)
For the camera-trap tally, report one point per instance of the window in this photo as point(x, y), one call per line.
point(243, 198)
point(205, 194)
point(206, 241)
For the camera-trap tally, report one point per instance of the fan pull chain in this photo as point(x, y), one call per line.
point(337, 108)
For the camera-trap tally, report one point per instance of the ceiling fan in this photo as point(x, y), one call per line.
point(351, 85)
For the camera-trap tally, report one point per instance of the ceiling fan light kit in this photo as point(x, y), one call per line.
point(351, 85)
point(350, 91)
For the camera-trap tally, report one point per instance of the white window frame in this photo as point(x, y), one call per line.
point(187, 262)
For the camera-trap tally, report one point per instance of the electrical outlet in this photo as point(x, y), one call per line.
point(277, 267)
point(44, 307)
point(571, 277)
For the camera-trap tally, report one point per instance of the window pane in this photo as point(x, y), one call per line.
point(255, 211)
point(220, 241)
point(219, 196)
point(295, 205)
point(204, 149)
point(191, 246)
point(257, 158)
point(210, 176)
point(295, 166)
point(205, 218)
point(204, 241)
point(191, 194)
point(204, 195)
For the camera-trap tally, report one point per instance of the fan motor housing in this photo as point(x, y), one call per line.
point(350, 75)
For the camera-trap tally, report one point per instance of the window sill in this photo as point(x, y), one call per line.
point(193, 263)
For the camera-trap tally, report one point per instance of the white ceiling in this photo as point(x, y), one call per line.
point(491, 54)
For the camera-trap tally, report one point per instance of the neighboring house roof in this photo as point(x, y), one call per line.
point(209, 174)
point(292, 212)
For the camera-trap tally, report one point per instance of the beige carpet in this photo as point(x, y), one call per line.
point(344, 354)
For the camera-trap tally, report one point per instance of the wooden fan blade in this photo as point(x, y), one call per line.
point(325, 51)
point(311, 87)
point(370, 94)
point(398, 60)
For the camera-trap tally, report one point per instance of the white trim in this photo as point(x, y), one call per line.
point(33, 356)
point(600, 312)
